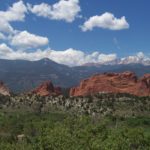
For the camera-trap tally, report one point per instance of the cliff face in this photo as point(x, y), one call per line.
point(126, 82)
point(47, 89)
point(4, 90)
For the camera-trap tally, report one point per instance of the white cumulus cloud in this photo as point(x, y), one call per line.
point(4, 50)
point(14, 13)
point(63, 10)
point(72, 57)
point(105, 21)
point(27, 40)
point(5, 26)
point(138, 58)
point(2, 36)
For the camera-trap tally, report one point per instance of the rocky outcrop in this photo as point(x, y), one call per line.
point(126, 82)
point(47, 89)
point(4, 90)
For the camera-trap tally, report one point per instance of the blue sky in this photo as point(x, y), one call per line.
point(63, 34)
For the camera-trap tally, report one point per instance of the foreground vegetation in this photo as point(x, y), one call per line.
point(62, 131)
point(98, 122)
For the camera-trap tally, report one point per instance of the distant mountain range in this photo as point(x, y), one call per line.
point(22, 75)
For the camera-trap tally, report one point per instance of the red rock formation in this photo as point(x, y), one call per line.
point(4, 90)
point(126, 82)
point(47, 89)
